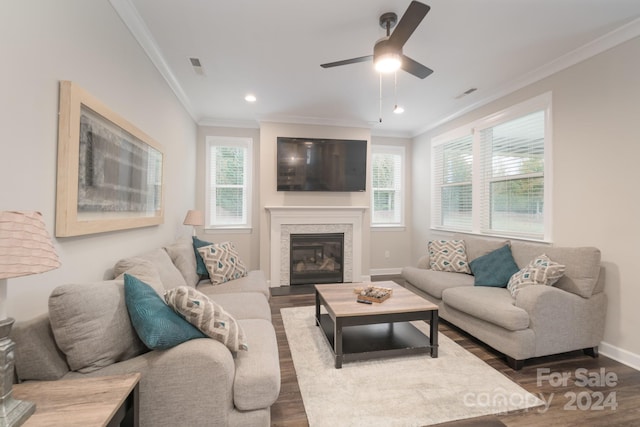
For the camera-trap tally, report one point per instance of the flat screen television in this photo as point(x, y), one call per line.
point(312, 164)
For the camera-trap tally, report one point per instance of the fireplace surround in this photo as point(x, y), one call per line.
point(285, 220)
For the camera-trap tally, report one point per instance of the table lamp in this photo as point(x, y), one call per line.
point(25, 248)
point(194, 218)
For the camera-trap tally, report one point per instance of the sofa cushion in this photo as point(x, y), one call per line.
point(494, 268)
point(435, 282)
point(208, 316)
point(183, 257)
point(582, 264)
point(242, 305)
point(494, 305)
point(223, 262)
point(254, 281)
point(37, 356)
point(91, 325)
point(142, 269)
point(540, 271)
point(257, 380)
point(169, 274)
point(201, 268)
point(476, 246)
point(448, 255)
point(157, 325)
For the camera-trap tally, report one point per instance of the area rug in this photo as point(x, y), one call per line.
point(401, 391)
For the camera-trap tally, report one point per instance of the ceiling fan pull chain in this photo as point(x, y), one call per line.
point(380, 97)
point(395, 88)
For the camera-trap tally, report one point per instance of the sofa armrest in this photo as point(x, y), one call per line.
point(562, 321)
point(190, 384)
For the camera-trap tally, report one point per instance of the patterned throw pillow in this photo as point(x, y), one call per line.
point(494, 269)
point(540, 271)
point(208, 316)
point(223, 262)
point(448, 255)
point(157, 325)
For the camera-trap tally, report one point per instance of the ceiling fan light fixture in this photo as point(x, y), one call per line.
point(388, 63)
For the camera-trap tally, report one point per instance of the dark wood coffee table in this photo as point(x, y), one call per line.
point(357, 331)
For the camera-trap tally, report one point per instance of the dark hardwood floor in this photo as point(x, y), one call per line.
point(587, 397)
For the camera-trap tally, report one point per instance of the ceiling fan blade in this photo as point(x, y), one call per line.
point(412, 17)
point(415, 68)
point(347, 61)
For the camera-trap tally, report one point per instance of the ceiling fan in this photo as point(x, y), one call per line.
point(387, 52)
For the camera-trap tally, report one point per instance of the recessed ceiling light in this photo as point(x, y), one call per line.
point(250, 98)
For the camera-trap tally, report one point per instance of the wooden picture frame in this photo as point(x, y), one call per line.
point(110, 173)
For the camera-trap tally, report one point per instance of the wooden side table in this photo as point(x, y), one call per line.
point(86, 402)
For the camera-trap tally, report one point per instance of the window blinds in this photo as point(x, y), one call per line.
point(488, 176)
point(387, 186)
point(228, 180)
point(512, 182)
point(452, 187)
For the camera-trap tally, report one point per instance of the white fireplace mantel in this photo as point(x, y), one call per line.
point(291, 216)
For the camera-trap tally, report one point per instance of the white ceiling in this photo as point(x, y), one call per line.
point(274, 49)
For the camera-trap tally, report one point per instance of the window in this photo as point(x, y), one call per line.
point(492, 176)
point(387, 197)
point(512, 193)
point(452, 168)
point(228, 186)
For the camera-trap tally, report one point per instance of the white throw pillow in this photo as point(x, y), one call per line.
point(540, 271)
point(448, 255)
point(208, 316)
point(223, 262)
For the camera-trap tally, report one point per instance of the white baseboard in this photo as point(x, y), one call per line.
point(620, 355)
point(385, 271)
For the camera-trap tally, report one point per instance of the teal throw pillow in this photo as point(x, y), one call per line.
point(495, 268)
point(201, 268)
point(157, 325)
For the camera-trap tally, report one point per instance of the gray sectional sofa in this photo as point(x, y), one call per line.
point(540, 320)
point(88, 332)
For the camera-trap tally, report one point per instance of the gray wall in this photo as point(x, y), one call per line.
point(44, 42)
point(245, 241)
point(396, 242)
point(595, 176)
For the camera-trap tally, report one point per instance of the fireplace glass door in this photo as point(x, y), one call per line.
point(316, 258)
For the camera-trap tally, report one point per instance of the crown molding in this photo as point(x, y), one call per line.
point(136, 25)
point(601, 44)
point(316, 121)
point(390, 133)
point(229, 123)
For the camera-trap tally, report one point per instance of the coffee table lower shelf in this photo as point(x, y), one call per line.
point(376, 340)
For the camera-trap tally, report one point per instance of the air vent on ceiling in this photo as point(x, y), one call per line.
point(197, 66)
point(466, 92)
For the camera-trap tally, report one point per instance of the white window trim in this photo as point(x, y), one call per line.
point(541, 102)
point(391, 149)
point(228, 141)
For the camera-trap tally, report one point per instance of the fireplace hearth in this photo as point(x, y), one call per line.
point(316, 258)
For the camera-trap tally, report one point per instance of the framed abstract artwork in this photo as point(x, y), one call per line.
point(110, 173)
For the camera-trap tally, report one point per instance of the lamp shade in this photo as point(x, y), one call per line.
point(25, 245)
point(194, 218)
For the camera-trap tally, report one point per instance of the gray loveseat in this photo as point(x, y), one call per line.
point(540, 320)
point(88, 332)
